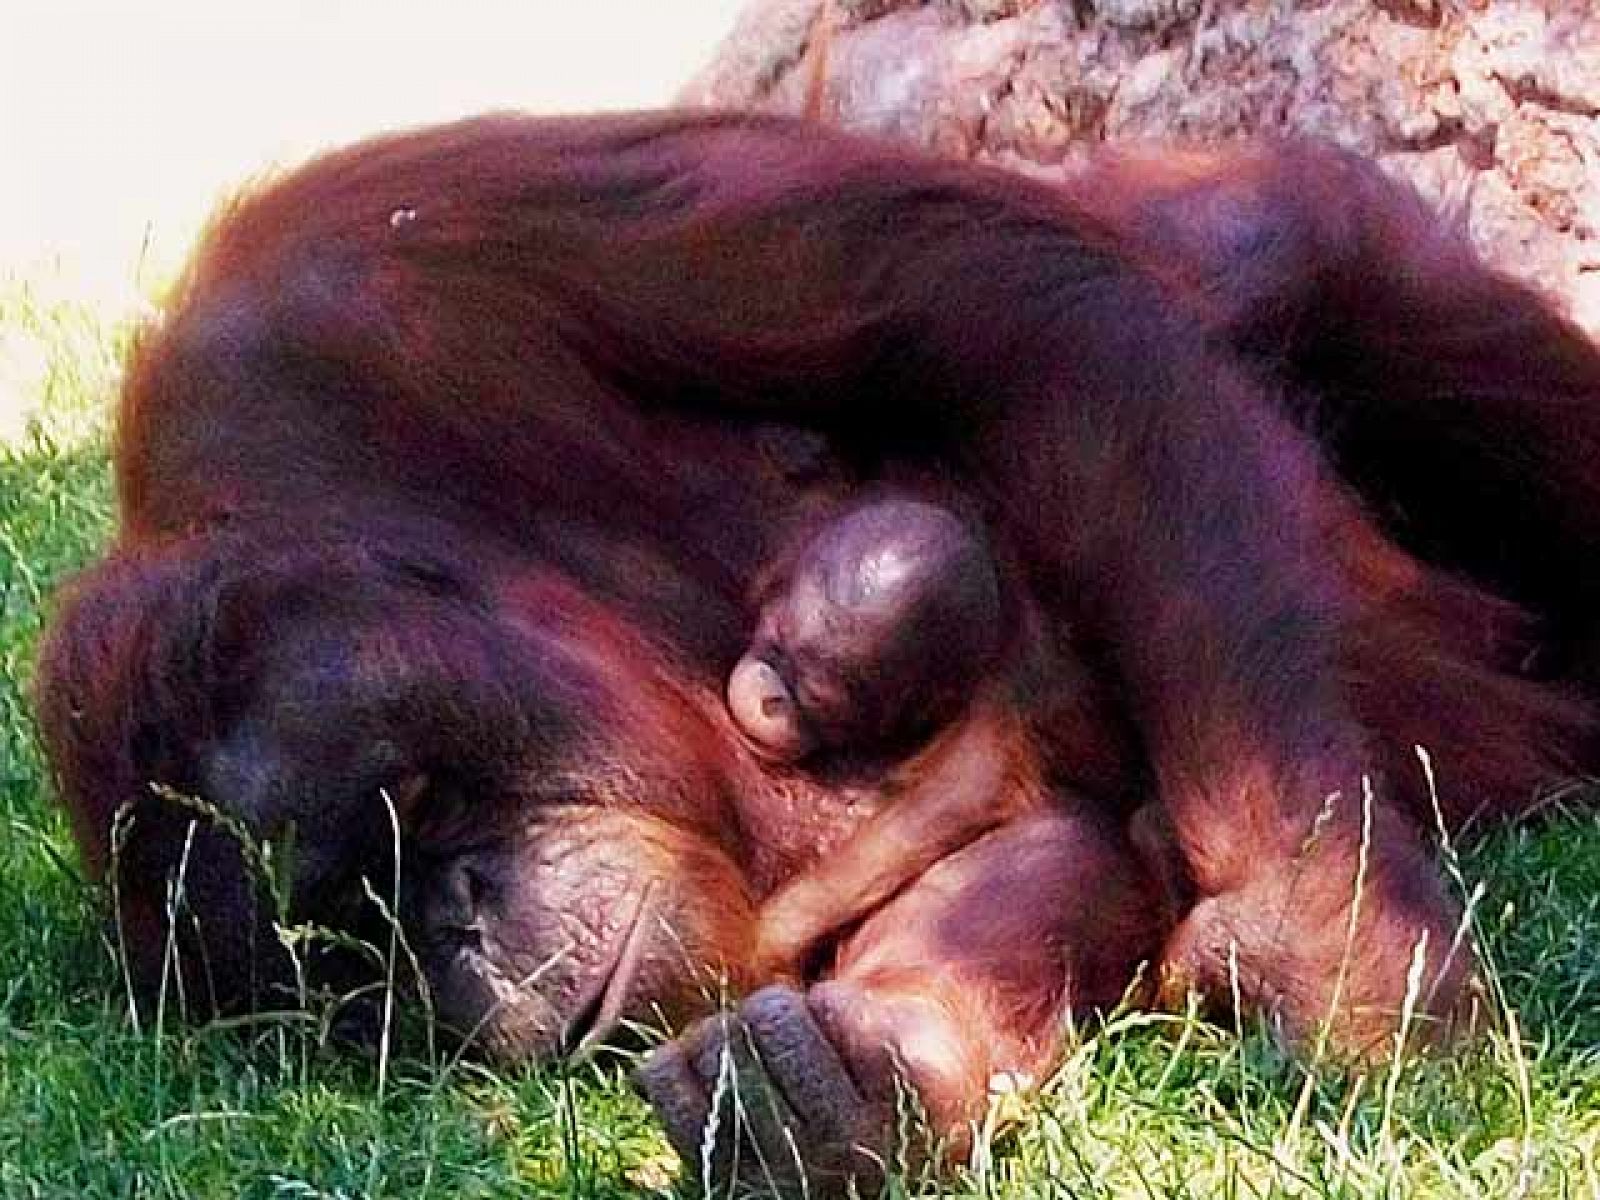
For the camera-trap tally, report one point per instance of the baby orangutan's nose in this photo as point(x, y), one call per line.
point(764, 708)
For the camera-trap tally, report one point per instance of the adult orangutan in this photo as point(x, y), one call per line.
point(445, 478)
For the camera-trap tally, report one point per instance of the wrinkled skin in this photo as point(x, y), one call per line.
point(444, 482)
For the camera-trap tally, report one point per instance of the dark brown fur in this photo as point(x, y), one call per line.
point(444, 479)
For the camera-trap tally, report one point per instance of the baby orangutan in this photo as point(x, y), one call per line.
point(877, 651)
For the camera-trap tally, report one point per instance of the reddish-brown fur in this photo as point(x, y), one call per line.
point(447, 472)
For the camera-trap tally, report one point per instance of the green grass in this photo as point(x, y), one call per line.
point(91, 1106)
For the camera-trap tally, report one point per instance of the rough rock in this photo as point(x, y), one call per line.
point(1490, 107)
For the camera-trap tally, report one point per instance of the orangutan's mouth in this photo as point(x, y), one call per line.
point(600, 1008)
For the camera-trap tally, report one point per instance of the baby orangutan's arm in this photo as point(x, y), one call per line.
point(977, 775)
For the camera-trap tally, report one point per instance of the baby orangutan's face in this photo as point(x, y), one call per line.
point(876, 635)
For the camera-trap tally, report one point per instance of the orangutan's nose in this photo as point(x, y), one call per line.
point(456, 896)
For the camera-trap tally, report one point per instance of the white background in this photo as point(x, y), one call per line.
point(122, 124)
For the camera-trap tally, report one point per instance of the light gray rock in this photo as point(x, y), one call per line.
point(1491, 108)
